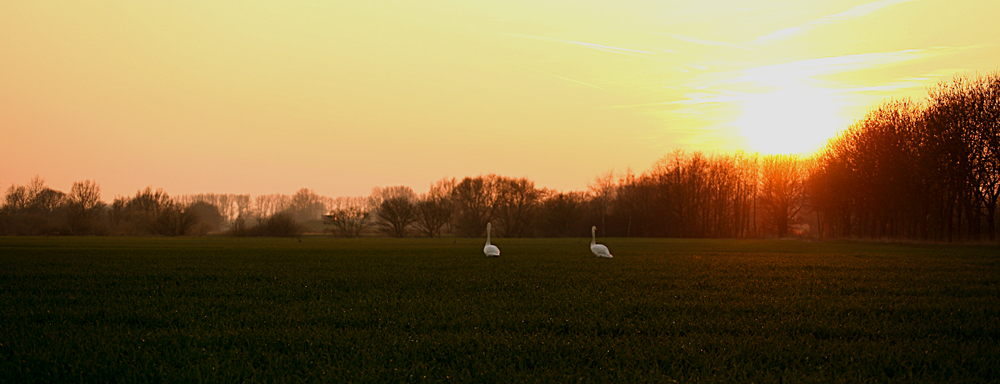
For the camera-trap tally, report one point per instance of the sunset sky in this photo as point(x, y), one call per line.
point(341, 96)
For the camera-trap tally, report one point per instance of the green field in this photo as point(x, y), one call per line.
point(377, 310)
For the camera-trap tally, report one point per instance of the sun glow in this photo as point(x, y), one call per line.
point(794, 120)
point(340, 97)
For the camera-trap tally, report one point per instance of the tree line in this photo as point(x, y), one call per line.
point(682, 195)
point(928, 171)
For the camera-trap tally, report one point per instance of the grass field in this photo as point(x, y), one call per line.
point(391, 310)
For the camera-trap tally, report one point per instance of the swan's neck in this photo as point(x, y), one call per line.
point(593, 236)
point(488, 230)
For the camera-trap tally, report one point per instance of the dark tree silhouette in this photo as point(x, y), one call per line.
point(515, 206)
point(906, 171)
point(395, 215)
point(963, 121)
point(34, 210)
point(782, 191)
point(395, 209)
point(474, 201)
point(434, 209)
point(433, 213)
point(305, 205)
point(350, 217)
point(84, 207)
point(562, 215)
point(688, 196)
point(209, 218)
point(603, 191)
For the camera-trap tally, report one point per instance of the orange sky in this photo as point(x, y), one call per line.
point(268, 97)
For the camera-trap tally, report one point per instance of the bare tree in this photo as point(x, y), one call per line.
point(152, 212)
point(15, 199)
point(267, 205)
point(516, 204)
point(350, 216)
point(562, 215)
point(964, 131)
point(745, 193)
point(208, 215)
point(395, 216)
point(433, 213)
point(434, 209)
point(174, 220)
point(33, 210)
point(230, 206)
point(380, 194)
point(85, 206)
point(474, 200)
point(396, 209)
point(305, 205)
point(782, 190)
point(140, 214)
point(41, 198)
point(603, 189)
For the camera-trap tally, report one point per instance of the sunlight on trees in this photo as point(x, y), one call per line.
point(912, 170)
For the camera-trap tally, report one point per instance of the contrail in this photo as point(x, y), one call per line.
point(853, 13)
point(557, 76)
point(605, 48)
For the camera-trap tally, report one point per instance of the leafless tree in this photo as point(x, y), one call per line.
point(782, 192)
point(350, 216)
point(474, 200)
point(689, 195)
point(174, 220)
point(913, 171)
point(305, 205)
point(84, 207)
point(267, 205)
point(747, 169)
point(396, 209)
point(395, 215)
point(208, 215)
point(152, 212)
point(230, 205)
point(380, 194)
point(433, 213)
point(33, 210)
point(562, 215)
point(516, 204)
point(603, 190)
point(16, 198)
point(434, 209)
point(964, 131)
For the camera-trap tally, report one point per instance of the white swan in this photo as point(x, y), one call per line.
point(490, 250)
point(599, 249)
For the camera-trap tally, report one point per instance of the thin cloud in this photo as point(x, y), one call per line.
point(853, 13)
point(700, 98)
point(700, 41)
point(809, 68)
point(599, 47)
point(920, 81)
point(557, 76)
point(641, 105)
point(734, 87)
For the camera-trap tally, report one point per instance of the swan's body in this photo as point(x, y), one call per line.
point(599, 249)
point(490, 250)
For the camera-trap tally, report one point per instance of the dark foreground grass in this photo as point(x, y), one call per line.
point(378, 310)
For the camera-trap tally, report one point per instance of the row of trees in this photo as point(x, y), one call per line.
point(681, 196)
point(35, 209)
point(919, 171)
point(699, 195)
point(905, 170)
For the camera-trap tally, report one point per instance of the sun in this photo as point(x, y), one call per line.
point(796, 120)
